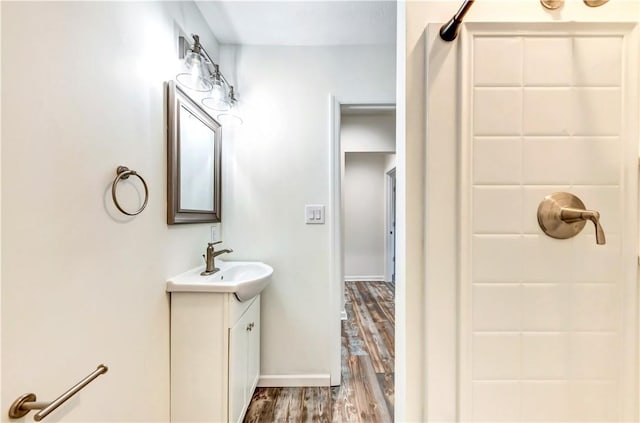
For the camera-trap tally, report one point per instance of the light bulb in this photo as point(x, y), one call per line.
point(231, 117)
point(194, 73)
point(218, 97)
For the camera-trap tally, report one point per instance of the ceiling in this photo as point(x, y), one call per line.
point(302, 23)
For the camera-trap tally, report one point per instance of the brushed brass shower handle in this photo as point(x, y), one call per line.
point(562, 215)
point(572, 215)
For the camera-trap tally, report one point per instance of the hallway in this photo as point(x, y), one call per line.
point(367, 391)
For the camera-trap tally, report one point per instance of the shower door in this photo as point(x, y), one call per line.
point(547, 327)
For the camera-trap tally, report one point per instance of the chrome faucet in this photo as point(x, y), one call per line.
point(211, 268)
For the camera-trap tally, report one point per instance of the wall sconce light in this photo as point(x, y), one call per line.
point(231, 116)
point(194, 73)
point(217, 97)
point(200, 73)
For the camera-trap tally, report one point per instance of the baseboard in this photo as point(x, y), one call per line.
point(370, 278)
point(284, 381)
point(343, 315)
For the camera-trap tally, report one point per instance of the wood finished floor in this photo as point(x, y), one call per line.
point(366, 394)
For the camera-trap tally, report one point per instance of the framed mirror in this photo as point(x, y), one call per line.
point(193, 165)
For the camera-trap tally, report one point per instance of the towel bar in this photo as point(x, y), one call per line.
point(27, 402)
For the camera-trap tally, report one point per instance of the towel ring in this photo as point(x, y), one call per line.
point(124, 172)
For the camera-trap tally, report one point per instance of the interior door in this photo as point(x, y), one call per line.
point(548, 326)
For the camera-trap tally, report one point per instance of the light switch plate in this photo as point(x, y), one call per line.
point(314, 214)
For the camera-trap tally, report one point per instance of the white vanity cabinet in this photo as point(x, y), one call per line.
point(244, 361)
point(215, 356)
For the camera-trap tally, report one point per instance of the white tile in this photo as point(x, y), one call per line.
point(593, 355)
point(596, 111)
point(496, 401)
point(497, 61)
point(497, 111)
point(497, 210)
point(547, 259)
point(547, 61)
point(544, 307)
point(597, 61)
point(595, 306)
point(496, 307)
point(545, 401)
point(594, 401)
point(596, 263)
point(544, 356)
point(547, 111)
point(547, 161)
point(607, 200)
point(596, 161)
point(533, 196)
point(496, 357)
point(564, 160)
point(497, 258)
point(497, 161)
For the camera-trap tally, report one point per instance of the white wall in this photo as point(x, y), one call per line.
point(364, 189)
point(277, 162)
point(82, 92)
point(368, 132)
point(431, 384)
point(372, 132)
point(390, 162)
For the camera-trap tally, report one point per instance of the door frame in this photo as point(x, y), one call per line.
point(336, 226)
point(390, 231)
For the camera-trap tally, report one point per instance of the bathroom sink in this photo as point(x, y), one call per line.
point(245, 279)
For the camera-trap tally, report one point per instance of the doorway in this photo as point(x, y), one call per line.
point(364, 222)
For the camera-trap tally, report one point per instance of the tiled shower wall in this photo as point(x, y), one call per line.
point(545, 323)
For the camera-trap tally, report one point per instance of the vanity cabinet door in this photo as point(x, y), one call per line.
point(238, 346)
point(244, 361)
point(253, 348)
